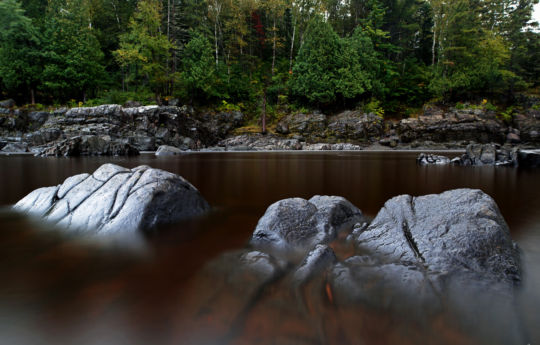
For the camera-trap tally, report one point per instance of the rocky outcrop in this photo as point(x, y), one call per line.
point(8, 103)
point(355, 125)
point(348, 125)
point(453, 125)
point(89, 145)
point(116, 201)
point(488, 154)
point(296, 225)
point(143, 127)
point(259, 142)
point(15, 148)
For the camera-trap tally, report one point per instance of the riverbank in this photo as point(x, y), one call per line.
point(125, 130)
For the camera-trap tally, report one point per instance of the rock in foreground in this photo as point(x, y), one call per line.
point(296, 225)
point(116, 200)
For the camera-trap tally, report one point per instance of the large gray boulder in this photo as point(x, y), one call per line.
point(458, 230)
point(116, 200)
point(297, 225)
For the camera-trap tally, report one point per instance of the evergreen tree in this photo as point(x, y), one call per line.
point(73, 58)
point(19, 50)
point(198, 69)
point(145, 50)
point(328, 68)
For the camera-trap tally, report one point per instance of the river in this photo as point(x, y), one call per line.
point(58, 289)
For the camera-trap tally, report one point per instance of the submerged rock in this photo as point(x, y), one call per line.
point(296, 225)
point(116, 200)
point(429, 159)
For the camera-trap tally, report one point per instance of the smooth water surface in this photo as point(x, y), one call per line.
point(58, 289)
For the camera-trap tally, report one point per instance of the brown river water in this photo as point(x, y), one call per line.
point(60, 289)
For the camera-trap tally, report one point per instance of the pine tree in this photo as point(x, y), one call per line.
point(20, 53)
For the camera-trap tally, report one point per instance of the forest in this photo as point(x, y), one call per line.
point(237, 54)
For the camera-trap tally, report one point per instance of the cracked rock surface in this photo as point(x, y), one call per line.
point(116, 200)
point(458, 230)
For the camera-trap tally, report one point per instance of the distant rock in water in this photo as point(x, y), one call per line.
point(116, 200)
point(428, 159)
point(165, 150)
point(486, 155)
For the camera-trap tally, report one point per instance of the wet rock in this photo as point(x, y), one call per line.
point(529, 158)
point(429, 159)
point(15, 148)
point(391, 141)
point(316, 261)
point(296, 225)
point(481, 154)
point(318, 147)
point(90, 145)
point(365, 280)
point(116, 200)
point(457, 230)
point(8, 103)
point(165, 150)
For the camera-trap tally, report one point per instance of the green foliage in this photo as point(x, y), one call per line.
point(374, 107)
point(145, 97)
point(322, 53)
point(228, 107)
point(144, 49)
point(73, 60)
point(20, 49)
point(328, 68)
point(507, 115)
point(198, 76)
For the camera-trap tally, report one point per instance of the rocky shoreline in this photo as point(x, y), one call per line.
point(124, 130)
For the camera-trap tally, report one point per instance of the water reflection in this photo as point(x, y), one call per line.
point(62, 290)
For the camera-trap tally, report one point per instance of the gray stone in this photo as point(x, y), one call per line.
point(116, 200)
point(295, 225)
point(165, 150)
point(430, 159)
point(460, 229)
point(8, 103)
point(90, 145)
point(316, 261)
point(36, 119)
point(15, 148)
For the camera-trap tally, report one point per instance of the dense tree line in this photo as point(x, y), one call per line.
point(312, 52)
